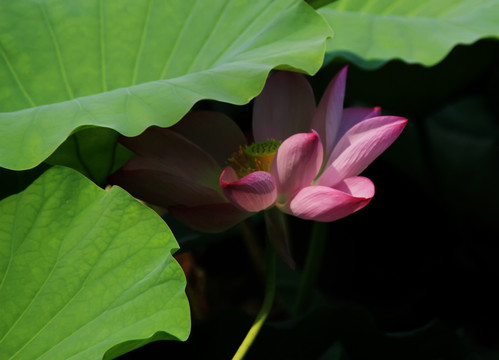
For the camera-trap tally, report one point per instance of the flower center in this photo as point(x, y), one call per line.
point(255, 157)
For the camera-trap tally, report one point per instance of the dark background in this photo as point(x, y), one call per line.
point(411, 276)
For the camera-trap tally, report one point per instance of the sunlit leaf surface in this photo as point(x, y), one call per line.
point(372, 32)
point(129, 64)
point(82, 270)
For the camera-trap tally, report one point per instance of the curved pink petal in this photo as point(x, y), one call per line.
point(322, 203)
point(176, 155)
point(354, 115)
point(360, 145)
point(350, 117)
point(149, 180)
point(357, 186)
point(284, 107)
point(254, 192)
point(327, 118)
point(210, 218)
point(297, 162)
point(214, 132)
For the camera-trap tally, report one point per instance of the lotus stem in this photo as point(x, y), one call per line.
point(270, 282)
point(253, 246)
point(313, 263)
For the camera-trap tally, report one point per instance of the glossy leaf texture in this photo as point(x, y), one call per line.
point(83, 270)
point(371, 32)
point(127, 65)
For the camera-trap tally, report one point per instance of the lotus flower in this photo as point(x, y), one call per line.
point(305, 160)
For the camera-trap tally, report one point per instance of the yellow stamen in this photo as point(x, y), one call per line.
point(255, 157)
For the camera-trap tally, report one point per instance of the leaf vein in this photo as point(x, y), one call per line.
point(90, 228)
point(16, 77)
point(102, 26)
point(209, 36)
point(142, 42)
point(177, 42)
point(111, 306)
point(57, 49)
point(247, 28)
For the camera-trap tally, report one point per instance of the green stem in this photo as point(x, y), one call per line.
point(267, 303)
point(311, 269)
point(252, 245)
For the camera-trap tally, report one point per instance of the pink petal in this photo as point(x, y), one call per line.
point(363, 143)
point(297, 162)
point(327, 118)
point(209, 218)
point(148, 179)
point(357, 186)
point(214, 132)
point(284, 107)
point(176, 155)
point(254, 192)
point(353, 115)
point(169, 170)
point(322, 203)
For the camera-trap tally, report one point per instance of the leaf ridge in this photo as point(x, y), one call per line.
point(32, 225)
point(111, 305)
point(131, 94)
point(244, 46)
point(209, 36)
point(177, 41)
point(246, 29)
point(57, 49)
point(102, 46)
point(21, 195)
point(70, 300)
point(16, 77)
point(142, 41)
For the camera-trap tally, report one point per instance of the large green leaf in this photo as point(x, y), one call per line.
point(372, 32)
point(129, 64)
point(82, 270)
